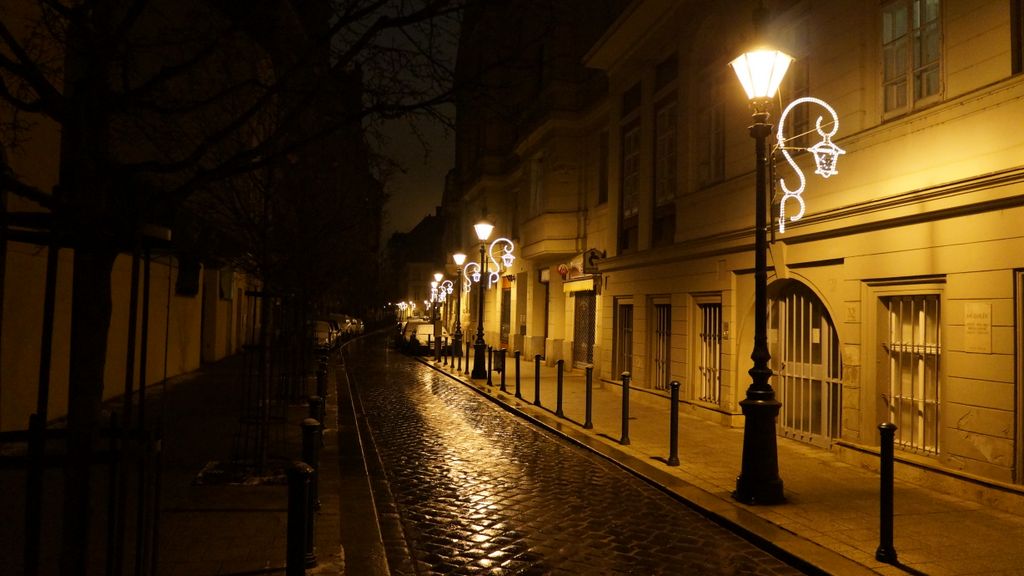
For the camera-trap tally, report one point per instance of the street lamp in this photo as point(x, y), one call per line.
point(459, 259)
point(483, 232)
point(435, 287)
point(760, 72)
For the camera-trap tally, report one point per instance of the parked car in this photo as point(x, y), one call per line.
point(408, 329)
point(421, 340)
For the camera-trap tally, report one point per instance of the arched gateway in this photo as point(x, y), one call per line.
point(807, 363)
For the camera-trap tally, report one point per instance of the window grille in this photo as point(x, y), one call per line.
point(913, 349)
point(710, 364)
point(662, 342)
point(624, 339)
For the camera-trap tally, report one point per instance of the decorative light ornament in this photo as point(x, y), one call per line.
point(443, 290)
point(507, 258)
point(470, 274)
point(826, 155)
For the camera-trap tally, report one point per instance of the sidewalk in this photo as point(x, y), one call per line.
point(223, 528)
point(831, 517)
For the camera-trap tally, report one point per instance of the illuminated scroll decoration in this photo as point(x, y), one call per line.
point(826, 154)
point(506, 248)
point(470, 274)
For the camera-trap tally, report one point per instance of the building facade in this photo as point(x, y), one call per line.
point(897, 297)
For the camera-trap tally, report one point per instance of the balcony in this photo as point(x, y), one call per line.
point(550, 234)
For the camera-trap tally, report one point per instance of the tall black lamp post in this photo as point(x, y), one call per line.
point(459, 259)
point(483, 232)
point(435, 296)
point(760, 72)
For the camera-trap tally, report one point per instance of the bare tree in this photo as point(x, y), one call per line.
point(160, 101)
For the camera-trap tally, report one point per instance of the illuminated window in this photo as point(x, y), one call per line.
point(912, 46)
point(912, 348)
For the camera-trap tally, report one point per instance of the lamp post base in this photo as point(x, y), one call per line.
point(479, 360)
point(759, 481)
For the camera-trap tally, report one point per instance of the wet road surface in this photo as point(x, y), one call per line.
point(472, 489)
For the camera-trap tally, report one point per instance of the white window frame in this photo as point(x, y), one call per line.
point(903, 76)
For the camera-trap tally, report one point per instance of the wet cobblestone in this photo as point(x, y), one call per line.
point(479, 491)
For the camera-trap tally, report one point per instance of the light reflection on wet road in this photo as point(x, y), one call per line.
point(479, 491)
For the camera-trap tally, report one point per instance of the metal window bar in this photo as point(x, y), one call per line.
point(624, 339)
point(808, 369)
point(710, 366)
point(662, 339)
point(914, 351)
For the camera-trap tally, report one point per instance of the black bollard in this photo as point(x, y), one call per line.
point(444, 359)
point(673, 426)
point(625, 409)
point(468, 349)
point(490, 365)
point(311, 440)
point(298, 508)
point(501, 368)
point(321, 379)
point(886, 552)
point(560, 366)
point(316, 404)
point(456, 349)
point(518, 393)
point(588, 422)
point(536, 379)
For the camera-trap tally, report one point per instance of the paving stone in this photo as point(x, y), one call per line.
point(472, 482)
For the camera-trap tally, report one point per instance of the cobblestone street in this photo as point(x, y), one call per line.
point(476, 490)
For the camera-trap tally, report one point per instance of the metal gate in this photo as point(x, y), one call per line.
point(807, 365)
point(583, 328)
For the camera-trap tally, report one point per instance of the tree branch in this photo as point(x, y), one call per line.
point(51, 100)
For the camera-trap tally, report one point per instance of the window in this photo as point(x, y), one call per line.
point(536, 185)
point(661, 342)
point(665, 181)
point(709, 348)
point(912, 349)
point(710, 133)
point(665, 73)
point(630, 187)
point(623, 342)
point(912, 43)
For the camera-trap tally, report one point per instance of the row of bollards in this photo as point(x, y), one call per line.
point(886, 552)
point(303, 484)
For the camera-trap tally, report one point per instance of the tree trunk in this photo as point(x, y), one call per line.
point(90, 324)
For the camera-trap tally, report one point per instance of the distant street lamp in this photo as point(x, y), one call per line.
point(436, 291)
point(459, 259)
point(760, 72)
point(483, 232)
